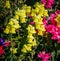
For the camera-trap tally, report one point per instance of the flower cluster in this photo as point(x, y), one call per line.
point(32, 26)
point(21, 16)
point(54, 26)
point(12, 26)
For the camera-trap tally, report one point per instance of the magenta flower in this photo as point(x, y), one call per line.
point(51, 28)
point(44, 56)
point(51, 19)
point(45, 22)
point(56, 34)
point(57, 12)
point(52, 16)
point(48, 3)
point(7, 43)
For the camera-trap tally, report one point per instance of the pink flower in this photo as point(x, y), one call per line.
point(51, 19)
point(52, 16)
point(7, 44)
point(51, 26)
point(48, 3)
point(44, 56)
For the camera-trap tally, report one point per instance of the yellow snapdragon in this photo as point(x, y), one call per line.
point(27, 8)
point(21, 13)
point(30, 39)
point(39, 8)
point(12, 26)
point(7, 4)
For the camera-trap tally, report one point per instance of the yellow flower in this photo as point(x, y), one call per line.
point(30, 38)
point(38, 19)
point(42, 28)
point(22, 13)
point(29, 47)
point(16, 26)
point(33, 12)
point(22, 20)
point(37, 26)
point(13, 50)
point(6, 31)
point(58, 19)
point(7, 4)
point(37, 10)
point(31, 29)
point(26, 48)
point(45, 13)
point(24, 6)
point(34, 43)
point(28, 9)
point(40, 32)
point(10, 22)
point(12, 30)
point(17, 12)
point(30, 34)
point(16, 17)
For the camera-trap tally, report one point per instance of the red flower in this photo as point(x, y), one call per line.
point(1, 50)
